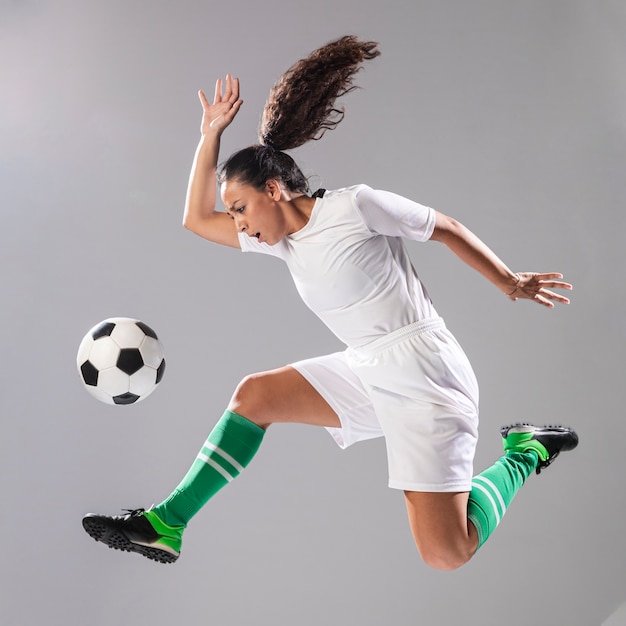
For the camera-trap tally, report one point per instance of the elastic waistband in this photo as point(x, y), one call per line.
point(416, 328)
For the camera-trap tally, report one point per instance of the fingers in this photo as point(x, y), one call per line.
point(218, 91)
point(230, 90)
point(234, 89)
point(203, 99)
point(547, 276)
point(555, 284)
point(554, 296)
point(546, 283)
point(538, 287)
point(545, 296)
point(545, 286)
point(233, 110)
point(547, 280)
point(541, 300)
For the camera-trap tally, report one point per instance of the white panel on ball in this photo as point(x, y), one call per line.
point(152, 352)
point(104, 353)
point(127, 334)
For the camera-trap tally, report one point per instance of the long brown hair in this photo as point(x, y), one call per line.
point(301, 105)
point(300, 108)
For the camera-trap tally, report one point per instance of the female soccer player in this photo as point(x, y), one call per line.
point(402, 376)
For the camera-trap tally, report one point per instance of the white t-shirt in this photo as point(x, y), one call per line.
point(350, 266)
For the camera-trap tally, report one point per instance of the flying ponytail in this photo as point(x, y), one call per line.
point(301, 105)
point(300, 108)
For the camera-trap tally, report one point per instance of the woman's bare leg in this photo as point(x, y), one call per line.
point(443, 536)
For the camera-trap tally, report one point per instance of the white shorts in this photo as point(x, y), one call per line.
point(416, 388)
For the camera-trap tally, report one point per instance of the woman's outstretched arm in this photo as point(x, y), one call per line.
point(470, 249)
point(200, 215)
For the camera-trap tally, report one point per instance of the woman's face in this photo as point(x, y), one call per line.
point(256, 213)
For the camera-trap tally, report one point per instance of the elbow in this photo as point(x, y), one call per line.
point(446, 227)
point(188, 223)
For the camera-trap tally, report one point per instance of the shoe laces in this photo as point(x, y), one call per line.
point(133, 512)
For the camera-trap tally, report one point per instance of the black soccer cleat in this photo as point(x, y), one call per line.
point(547, 441)
point(138, 531)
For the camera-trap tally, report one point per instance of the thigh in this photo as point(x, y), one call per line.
point(281, 395)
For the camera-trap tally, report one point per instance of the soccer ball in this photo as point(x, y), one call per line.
point(120, 361)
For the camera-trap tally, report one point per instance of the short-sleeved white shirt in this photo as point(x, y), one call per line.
point(350, 265)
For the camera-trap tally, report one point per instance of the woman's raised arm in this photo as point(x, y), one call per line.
point(200, 215)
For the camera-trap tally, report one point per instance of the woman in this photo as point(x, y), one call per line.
point(402, 376)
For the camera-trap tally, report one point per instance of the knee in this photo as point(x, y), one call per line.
point(446, 558)
point(248, 400)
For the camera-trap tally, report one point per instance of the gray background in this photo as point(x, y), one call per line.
point(510, 116)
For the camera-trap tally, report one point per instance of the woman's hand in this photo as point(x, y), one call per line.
point(534, 286)
point(217, 116)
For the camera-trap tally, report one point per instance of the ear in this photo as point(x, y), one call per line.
point(274, 189)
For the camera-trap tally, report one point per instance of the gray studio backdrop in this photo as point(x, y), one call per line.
point(510, 116)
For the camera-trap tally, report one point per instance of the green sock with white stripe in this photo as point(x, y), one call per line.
point(494, 489)
point(229, 448)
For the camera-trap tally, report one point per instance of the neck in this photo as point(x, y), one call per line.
point(299, 208)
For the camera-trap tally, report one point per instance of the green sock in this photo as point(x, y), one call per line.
point(494, 489)
point(229, 448)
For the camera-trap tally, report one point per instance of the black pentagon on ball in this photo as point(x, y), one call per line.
point(130, 360)
point(103, 330)
point(125, 398)
point(147, 330)
point(160, 371)
point(89, 374)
